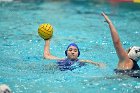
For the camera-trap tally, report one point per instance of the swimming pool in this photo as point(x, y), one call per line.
point(22, 66)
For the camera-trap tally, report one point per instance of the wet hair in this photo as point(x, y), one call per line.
point(72, 44)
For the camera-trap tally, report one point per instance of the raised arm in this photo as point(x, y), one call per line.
point(122, 55)
point(47, 53)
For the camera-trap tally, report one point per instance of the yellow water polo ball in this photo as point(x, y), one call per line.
point(45, 31)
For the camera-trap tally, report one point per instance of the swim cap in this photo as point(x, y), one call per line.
point(134, 53)
point(73, 44)
point(4, 89)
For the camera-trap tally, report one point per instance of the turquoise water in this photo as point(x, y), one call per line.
point(22, 66)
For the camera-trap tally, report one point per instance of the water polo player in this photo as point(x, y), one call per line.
point(127, 64)
point(71, 61)
point(72, 53)
point(5, 88)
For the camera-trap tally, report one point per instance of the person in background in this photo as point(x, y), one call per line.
point(127, 64)
point(4, 89)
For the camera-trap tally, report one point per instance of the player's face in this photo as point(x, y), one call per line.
point(72, 53)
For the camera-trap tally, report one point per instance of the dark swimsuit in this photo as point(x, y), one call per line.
point(134, 72)
point(68, 64)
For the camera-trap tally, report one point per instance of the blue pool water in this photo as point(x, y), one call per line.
point(22, 66)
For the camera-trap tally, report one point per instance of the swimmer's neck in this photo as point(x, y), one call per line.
point(71, 59)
